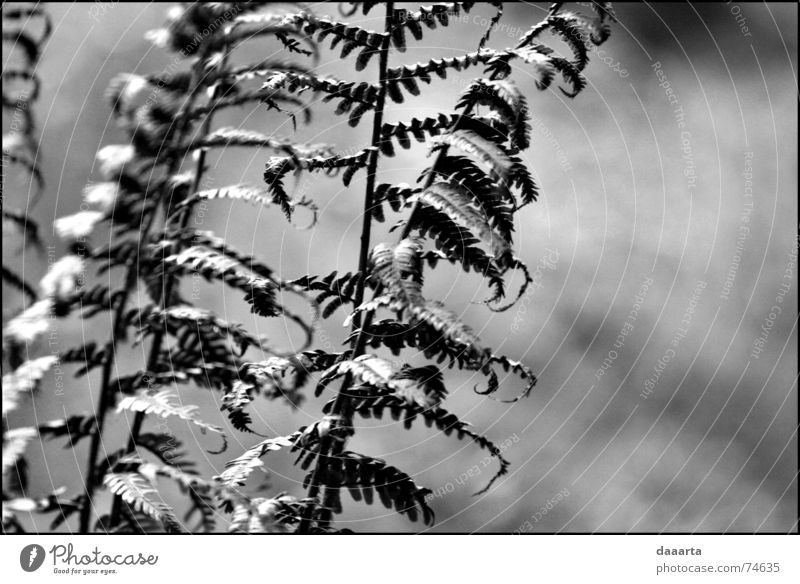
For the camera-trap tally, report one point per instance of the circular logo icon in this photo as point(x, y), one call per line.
point(31, 557)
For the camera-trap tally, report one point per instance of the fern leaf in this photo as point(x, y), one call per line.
point(167, 448)
point(399, 269)
point(277, 515)
point(186, 322)
point(238, 470)
point(367, 369)
point(459, 206)
point(362, 475)
point(161, 404)
point(488, 153)
point(278, 168)
point(29, 325)
point(228, 137)
point(260, 293)
point(217, 244)
point(429, 16)
point(76, 427)
point(406, 75)
point(521, 179)
point(401, 408)
point(573, 31)
point(134, 489)
point(24, 379)
point(456, 246)
point(363, 95)
point(492, 198)
point(14, 444)
point(269, 378)
point(240, 192)
point(506, 101)
point(352, 37)
point(436, 342)
point(418, 129)
point(395, 195)
point(334, 288)
point(198, 490)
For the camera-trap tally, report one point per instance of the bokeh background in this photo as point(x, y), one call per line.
point(644, 201)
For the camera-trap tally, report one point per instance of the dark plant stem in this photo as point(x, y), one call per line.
point(169, 287)
point(360, 341)
point(330, 446)
point(104, 399)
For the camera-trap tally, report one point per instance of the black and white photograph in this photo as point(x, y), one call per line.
point(376, 269)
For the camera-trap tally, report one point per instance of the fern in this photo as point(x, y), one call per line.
point(132, 250)
point(161, 404)
point(133, 488)
point(24, 379)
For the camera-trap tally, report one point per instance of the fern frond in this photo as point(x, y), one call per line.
point(505, 100)
point(240, 192)
point(167, 448)
point(461, 350)
point(366, 369)
point(228, 137)
point(187, 323)
point(260, 515)
point(216, 244)
point(395, 195)
point(361, 95)
point(24, 379)
point(260, 293)
point(269, 378)
point(278, 168)
point(75, 427)
point(429, 16)
point(369, 406)
point(134, 489)
point(361, 475)
point(336, 288)
point(405, 77)
point(511, 366)
point(29, 325)
point(418, 129)
point(238, 470)
point(601, 30)
point(460, 207)
point(199, 491)
point(396, 336)
point(573, 31)
point(492, 198)
point(399, 269)
point(521, 179)
point(490, 154)
point(161, 404)
point(352, 37)
point(14, 444)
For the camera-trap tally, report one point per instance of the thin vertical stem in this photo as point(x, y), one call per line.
point(169, 286)
point(330, 446)
point(360, 342)
point(104, 400)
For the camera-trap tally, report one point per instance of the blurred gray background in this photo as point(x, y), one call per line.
point(641, 196)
